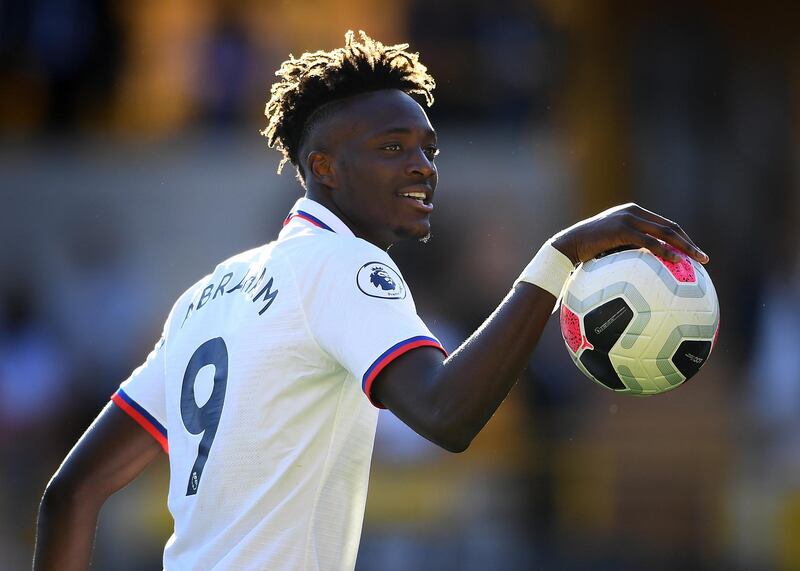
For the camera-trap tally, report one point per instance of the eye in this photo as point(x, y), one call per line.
point(431, 151)
point(391, 147)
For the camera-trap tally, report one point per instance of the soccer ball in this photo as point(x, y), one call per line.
point(638, 324)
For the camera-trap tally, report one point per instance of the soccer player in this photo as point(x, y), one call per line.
point(265, 386)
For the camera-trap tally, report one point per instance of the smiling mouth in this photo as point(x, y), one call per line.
point(420, 197)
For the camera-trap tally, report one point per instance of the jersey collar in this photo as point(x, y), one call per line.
point(308, 211)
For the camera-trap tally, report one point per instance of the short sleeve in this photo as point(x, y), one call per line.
point(361, 312)
point(142, 395)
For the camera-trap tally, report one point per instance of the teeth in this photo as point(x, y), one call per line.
point(416, 195)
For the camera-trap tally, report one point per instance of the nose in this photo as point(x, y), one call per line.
point(420, 165)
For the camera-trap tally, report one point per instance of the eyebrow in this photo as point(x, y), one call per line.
point(404, 131)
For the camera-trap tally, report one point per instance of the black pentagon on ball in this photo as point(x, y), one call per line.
point(690, 356)
point(603, 326)
point(599, 365)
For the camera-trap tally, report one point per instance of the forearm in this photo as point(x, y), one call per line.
point(470, 385)
point(64, 533)
point(112, 452)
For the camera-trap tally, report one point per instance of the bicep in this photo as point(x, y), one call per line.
point(407, 387)
point(112, 452)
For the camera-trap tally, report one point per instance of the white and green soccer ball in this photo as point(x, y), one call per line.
point(638, 324)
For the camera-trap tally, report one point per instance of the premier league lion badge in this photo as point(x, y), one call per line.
point(379, 280)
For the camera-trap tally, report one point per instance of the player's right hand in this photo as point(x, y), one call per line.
point(626, 225)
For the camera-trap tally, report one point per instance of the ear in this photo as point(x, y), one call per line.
point(321, 168)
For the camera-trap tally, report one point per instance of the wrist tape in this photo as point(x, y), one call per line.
point(549, 269)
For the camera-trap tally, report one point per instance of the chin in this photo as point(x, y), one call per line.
point(421, 233)
point(418, 232)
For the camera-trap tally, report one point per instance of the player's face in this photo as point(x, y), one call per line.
point(385, 168)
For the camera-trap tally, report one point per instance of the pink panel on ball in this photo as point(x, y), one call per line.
point(571, 329)
point(683, 271)
point(716, 334)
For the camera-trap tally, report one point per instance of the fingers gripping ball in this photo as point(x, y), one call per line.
point(638, 324)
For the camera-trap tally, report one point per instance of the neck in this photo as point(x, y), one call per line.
point(325, 198)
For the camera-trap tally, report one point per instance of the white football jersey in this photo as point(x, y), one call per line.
point(259, 390)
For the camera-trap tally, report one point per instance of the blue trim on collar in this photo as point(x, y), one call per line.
point(316, 220)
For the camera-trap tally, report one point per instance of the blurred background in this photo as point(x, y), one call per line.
point(130, 163)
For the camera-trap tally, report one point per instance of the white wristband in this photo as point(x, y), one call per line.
point(549, 269)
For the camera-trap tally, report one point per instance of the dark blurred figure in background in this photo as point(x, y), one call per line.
point(71, 48)
point(227, 67)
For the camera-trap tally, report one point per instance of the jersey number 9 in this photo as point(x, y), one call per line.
point(204, 419)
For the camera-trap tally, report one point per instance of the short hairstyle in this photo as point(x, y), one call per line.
point(307, 84)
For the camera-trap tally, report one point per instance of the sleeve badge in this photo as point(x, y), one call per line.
point(379, 280)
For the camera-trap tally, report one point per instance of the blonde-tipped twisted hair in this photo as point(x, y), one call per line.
point(315, 79)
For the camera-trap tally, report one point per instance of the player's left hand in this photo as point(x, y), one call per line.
point(626, 225)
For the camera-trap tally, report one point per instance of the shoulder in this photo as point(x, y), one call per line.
point(322, 259)
point(324, 252)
